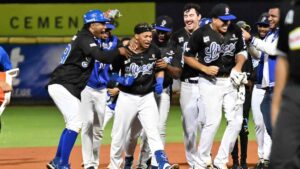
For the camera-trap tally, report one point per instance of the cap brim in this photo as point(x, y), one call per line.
point(262, 23)
point(162, 28)
point(110, 26)
point(227, 17)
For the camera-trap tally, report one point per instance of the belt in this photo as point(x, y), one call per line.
point(190, 81)
point(270, 89)
point(223, 75)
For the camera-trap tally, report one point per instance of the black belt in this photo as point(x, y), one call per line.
point(223, 75)
point(190, 81)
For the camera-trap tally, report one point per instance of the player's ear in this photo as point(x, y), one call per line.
point(136, 36)
point(199, 17)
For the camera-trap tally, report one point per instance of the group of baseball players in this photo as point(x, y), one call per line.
point(221, 66)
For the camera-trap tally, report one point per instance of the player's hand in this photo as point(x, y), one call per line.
point(211, 70)
point(5, 86)
point(113, 92)
point(160, 63)
point(246, 35)
point(125, 52)
point(133, 44)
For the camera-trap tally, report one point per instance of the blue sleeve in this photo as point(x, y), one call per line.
point(5, 63)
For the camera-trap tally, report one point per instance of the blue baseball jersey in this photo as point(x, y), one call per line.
point(100, 73)
point(5, 63)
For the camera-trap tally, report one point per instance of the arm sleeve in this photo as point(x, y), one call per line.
point(193, 44)
point(266, 47)
point(254, 52)
point(90, 48)
point(5, 63)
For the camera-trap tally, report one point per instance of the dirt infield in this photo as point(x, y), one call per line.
point(36, 158)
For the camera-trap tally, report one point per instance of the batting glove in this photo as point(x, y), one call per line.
point(159, 85)
point(238, 78)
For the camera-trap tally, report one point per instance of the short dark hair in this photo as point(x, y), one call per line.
point(189, 6)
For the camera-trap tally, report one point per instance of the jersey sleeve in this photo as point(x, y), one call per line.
point(90, 48)
point(193, 44)
point(5, 63)
point(177, 57)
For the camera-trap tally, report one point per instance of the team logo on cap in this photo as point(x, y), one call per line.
point(226, 11)
point(163, 23)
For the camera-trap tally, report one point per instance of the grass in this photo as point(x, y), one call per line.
point(36, 126)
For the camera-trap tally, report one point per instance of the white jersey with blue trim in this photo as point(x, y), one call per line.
point(100, 73)
point(266, 67)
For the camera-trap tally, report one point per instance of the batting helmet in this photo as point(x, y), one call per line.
point(94, 16)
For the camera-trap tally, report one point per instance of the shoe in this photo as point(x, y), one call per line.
point(259, 165)
point(173, 166)
point(266, 164)
point(235, 166)
point(210, 166)
point(244, 166)
point(64, 166)
point(128, 162)
point(220, 166)
point(91, 167)
point(53, 164)
point(148, 163)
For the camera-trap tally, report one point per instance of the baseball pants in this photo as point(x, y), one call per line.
point(263, 139)
point(189, 97)
point(217, 93)
point(163, 103)
point(146, 111)
point(68, 105)
point(92, 110)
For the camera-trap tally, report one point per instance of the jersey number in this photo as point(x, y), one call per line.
point(65, 54)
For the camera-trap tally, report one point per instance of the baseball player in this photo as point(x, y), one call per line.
point(93, 103)
point(262, 137)
point(113, 91)
point(266, 68)
point(71, 76)
point(221, 54)
point(286, 101)
point(171, 63)
point(248, 68)
point(189, 91)
point(137, 101)
point(5, 65)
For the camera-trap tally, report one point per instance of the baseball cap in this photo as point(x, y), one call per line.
point(263, 19)
point(222, 12)
point(164, 23)
point(244, 25)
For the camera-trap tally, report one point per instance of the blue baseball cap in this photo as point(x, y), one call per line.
point(164, 23)
point(222, 11)
point(263, 19)
point(94, 16)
